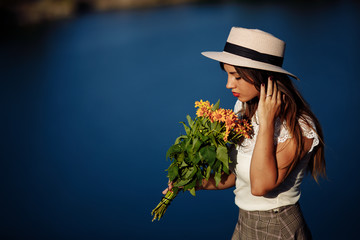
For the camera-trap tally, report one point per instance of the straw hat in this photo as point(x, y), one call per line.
point(252, 48)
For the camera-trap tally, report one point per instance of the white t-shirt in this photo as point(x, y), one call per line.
point(288, 192)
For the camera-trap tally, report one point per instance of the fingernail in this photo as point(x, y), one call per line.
point(262, 84)
point(271, 78)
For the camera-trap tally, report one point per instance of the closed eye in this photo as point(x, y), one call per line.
point(234, 73)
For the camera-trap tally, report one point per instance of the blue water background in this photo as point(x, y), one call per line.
point(90, 105)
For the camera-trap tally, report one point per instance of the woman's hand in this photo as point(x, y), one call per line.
point(170, 186)
point(269, 103)
point(227, 181)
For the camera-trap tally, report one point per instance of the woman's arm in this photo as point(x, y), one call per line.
point(269, 165)
point(264, 168)
point(227, 181)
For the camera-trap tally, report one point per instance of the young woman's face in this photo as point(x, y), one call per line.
point(241, 89)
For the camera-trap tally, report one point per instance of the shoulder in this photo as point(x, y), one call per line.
point(307, 126)
point(308, 130)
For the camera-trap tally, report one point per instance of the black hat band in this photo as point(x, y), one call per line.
point(252, 54)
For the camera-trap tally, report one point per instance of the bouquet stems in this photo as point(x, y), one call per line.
point(203, 150)
point(160, 209)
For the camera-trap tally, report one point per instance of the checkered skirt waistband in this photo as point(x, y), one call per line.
point(285, 222)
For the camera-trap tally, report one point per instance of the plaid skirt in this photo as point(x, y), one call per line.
point(286, 222)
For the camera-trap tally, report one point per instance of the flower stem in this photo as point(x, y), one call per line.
point(160, 209)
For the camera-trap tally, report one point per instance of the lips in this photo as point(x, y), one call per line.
point(236, 94)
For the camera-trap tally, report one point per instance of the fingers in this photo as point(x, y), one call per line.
point(278, 97)
point(275, 92)
point(272, 93)
point(269, 91)
point(170, 186)
point(270, 101)
point(262, 92)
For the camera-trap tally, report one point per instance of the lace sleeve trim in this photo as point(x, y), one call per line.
point(282, 133)
point(309, 132)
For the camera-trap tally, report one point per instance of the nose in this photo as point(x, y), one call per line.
point(230, 82)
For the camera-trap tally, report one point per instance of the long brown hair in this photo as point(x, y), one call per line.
point(293, 109)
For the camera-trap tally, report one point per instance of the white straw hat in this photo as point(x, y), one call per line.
point(252, 48)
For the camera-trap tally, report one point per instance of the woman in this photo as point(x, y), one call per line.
point(267, 169)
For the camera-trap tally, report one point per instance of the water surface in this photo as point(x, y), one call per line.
point(91, 104)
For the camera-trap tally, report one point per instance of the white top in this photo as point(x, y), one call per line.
point(288, 192)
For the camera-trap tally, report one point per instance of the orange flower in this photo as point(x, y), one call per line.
point(233, 126)
point(201, 103)
point(202, 112)
point(219, 115)
point(230, 121)
point(227, 132)
point(243, 127)
point(205, 109)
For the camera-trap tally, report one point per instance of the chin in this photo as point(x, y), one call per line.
point(244, 99)
point(241, 99)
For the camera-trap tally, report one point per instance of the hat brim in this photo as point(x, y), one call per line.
point(236, 60)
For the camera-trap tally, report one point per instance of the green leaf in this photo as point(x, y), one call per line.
point(225, 169)
point(187, 144)
point(189, 172)
point(192, 191)
point(213, 141)
point(199, 176)
point(216, 165)
point(190, 185)
point(188, 148)
point(197, 124)
point(196, 158)
point(203, 121)
point(218, 127)
point(183, 164)
point(213, 125)
point(173, 171)
point(190, 121)
point(176, 148)
point(202, 137)
point(187, 129)
point(217, 178)
point(222, 155)
point(182, 182)
point(196, 145)
point(180, 157)
point(208, 154)
point(178, 140)
point(216, 106)
point(208, 171)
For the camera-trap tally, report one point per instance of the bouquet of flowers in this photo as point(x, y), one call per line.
point(203, 151)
